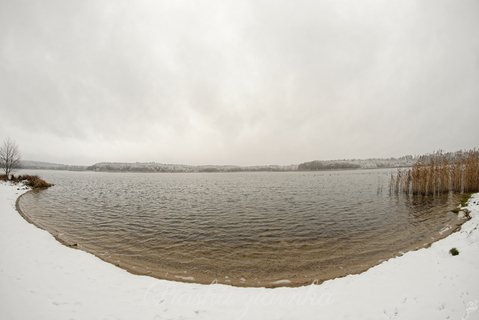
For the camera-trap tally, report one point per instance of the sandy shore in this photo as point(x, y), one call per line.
point(42, 279)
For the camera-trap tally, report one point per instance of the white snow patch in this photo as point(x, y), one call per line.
point(281, 282)
point(445, 229)
point(189, 278)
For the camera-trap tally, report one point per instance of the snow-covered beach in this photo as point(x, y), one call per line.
point(43, 279)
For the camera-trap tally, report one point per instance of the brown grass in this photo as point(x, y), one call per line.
point(439, 173)
point(35, 182)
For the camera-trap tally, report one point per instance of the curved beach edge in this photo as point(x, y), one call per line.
point(274, 284)
point(58, 283)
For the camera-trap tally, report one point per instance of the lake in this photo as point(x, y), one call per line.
point(245, 229)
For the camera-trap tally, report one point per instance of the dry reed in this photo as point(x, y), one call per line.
point(439, 173)
point(35, 182)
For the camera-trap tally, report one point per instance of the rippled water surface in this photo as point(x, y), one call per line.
point(250, 229)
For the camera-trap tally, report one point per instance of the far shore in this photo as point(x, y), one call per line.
point(217, 171)
point(155, 167)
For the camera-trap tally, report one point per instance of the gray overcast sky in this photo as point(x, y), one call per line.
point(238, 82)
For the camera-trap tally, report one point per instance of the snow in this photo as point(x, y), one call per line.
point(43, 279)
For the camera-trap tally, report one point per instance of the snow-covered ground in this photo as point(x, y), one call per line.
point(42, 279)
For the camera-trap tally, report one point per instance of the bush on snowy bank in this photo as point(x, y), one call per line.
point(35, 182)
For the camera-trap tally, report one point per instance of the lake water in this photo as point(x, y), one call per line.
point(245, 229)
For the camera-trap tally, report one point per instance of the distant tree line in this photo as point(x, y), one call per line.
point(154, 167)
point(327, 165)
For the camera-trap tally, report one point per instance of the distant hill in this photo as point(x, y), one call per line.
point(317, 165)
point(161, 167)
point(28, 164)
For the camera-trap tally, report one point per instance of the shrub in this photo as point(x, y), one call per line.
point(35, 182)
point(454, 251)
point(465, 199)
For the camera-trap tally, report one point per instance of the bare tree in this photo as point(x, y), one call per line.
point(9, 156)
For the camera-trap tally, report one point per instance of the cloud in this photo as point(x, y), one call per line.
point(241, 82)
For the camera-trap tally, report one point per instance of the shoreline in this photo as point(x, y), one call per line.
point(279, 283)
point(59, 283)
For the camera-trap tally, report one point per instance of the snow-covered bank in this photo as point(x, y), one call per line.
point(42, 279)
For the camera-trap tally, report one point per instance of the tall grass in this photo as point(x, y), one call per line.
point(439, 173)
point(35, 182)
